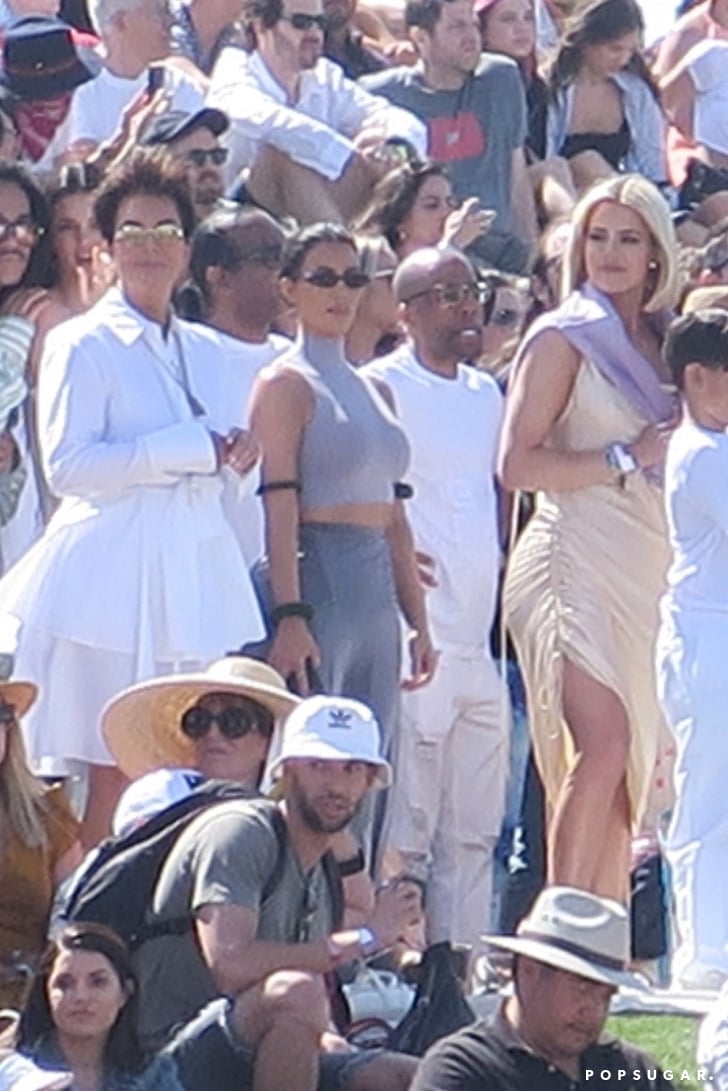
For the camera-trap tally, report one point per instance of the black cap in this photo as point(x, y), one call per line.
point(176, 124)
point(40, 59)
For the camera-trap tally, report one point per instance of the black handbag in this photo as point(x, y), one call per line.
point(439, 1007)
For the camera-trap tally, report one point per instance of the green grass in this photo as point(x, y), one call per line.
point(669, 1039)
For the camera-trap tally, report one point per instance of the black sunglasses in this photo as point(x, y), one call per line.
point(299, 20)
point(199, 156)
point(326, 277)
point(233, 722)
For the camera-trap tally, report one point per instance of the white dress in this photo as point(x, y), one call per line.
point(138, 572)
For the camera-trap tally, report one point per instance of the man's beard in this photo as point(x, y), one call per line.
point(313, 819)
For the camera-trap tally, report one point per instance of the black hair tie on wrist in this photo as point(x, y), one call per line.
point(277, 486)
point(291, 609)
point(403, 491)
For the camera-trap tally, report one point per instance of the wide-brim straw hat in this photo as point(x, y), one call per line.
point(141, 725)
point(21, 695)
point(576, 931)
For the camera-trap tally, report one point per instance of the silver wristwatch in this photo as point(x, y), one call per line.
point(620, 460)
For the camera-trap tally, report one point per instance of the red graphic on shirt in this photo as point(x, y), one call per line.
point(458, 137)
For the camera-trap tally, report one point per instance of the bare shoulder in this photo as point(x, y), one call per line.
point(552, 353)
point(281, 389)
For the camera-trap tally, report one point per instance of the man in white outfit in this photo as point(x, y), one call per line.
point(314, 140)
point(447, 805)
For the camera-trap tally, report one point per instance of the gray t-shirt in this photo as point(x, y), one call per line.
point(473, 131)
point(225, 857)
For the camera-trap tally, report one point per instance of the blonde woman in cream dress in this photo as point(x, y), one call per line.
point(583, 583)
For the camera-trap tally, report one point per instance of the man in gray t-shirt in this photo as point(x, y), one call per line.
point(268, 944)
point(474, 106)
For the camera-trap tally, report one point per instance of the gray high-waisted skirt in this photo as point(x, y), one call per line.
point(346, 576)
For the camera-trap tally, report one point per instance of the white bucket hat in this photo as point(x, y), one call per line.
point(330, 729)
point(141, 725)
point(17, 1073)
point(576, 931)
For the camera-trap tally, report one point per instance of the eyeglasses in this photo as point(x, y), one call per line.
point(22, 230)
point(199, 156)
point(234, 722)
point(454, 295)
point(138, 235)
point(269, 256)
point(326, 277)
point(299, 20)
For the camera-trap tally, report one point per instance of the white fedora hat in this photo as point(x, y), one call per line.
point(576, 931)
point(141, 724)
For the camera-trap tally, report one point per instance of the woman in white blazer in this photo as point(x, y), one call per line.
point(138, 572)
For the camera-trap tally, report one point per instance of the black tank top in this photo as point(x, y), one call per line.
point(611, 146)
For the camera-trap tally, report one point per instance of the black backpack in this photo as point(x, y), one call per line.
point(117, 885)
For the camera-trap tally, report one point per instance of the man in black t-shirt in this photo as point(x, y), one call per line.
point(571, 956)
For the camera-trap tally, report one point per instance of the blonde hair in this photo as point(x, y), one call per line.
point(21, 794)
point(635, 192)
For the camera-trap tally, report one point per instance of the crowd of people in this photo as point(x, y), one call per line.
point(363, 397)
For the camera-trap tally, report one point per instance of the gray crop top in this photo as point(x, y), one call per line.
point(354, 449)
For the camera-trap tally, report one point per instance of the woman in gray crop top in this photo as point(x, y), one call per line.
point(340, 555)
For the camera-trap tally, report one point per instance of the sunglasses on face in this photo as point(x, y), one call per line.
point(454, 295)
point(233, 722)
point(138, 235)
point(299, 20)
point(326, 277)
point(198, 157)
point(22, 230)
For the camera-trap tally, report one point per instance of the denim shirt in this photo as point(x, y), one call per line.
point(159, 1075)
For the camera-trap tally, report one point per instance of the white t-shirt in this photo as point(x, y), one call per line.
point(97, 106)
point(708, 64)
point(225, 394)
point(696, 497)
point(452, 426)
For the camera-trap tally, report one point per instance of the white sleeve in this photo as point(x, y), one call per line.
point(258, 118)
point(708, 64)
point(78, 460)
point(357, 109)
point(707, 482)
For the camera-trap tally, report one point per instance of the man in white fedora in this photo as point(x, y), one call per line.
point(268, 951)
point(571, 955)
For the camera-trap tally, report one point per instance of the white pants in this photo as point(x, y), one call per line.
point(448, 800)
point(693, 689)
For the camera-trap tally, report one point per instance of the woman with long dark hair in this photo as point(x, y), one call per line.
point(604, 112)
point(82, 1014)
point(414, 206)
point(339, 548)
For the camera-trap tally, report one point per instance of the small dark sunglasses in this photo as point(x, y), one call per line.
point(299, 20)
point(199, 156)
point(233, 722)
point(326, 277)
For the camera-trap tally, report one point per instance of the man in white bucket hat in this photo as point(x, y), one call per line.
point(268, 950)
point(571, 955)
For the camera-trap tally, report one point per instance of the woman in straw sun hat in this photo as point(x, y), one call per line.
point(219, 720)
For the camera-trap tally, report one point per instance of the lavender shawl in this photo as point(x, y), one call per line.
point(589, 322)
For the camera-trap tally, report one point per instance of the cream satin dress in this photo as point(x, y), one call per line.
point(583, 583)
